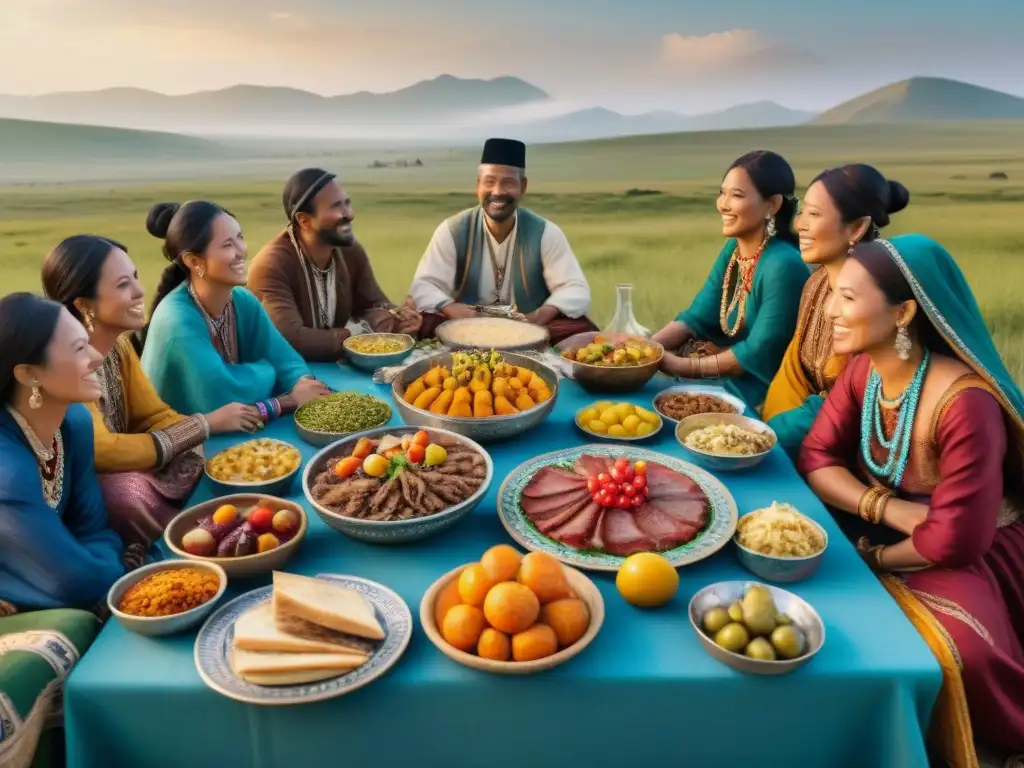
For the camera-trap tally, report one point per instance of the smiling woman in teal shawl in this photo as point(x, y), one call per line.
point(738, 326)
point(209, 341)
point(921, 443)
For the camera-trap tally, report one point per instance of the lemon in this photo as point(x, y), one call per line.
point(630, 424)
point(624, 410)
point(647, 580)
point(597, 426)
point(602, 406)
point(648, 417)
point(617, 430)
point(644, 429)
point(610, 417)
point(589, 414)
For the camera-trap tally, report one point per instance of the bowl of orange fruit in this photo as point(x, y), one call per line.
point(511, 613)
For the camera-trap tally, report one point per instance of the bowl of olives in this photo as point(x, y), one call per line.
point(756, 628)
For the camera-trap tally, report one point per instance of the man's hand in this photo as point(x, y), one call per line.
point(459, 311)
point(542, 316)
point(408, 319)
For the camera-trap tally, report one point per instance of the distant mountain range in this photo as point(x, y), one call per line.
point(451, 109)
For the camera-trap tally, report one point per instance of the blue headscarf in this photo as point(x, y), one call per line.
point(942, 292)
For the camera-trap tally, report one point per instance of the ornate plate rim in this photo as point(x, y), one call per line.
point(608, 562)
point(256, 596)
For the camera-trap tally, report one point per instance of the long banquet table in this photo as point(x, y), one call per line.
point(643, 693)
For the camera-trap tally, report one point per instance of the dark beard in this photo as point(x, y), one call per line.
point(507, 213)
point(334, 238)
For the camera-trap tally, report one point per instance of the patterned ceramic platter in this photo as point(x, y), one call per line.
point(213, 644)
point(716, 535)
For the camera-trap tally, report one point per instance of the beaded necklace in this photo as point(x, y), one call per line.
point(744, 283)
point(898, 446)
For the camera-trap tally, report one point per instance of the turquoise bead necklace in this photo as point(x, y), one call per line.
point(898, 446)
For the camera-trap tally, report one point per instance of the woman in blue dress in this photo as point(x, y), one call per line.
point(58, 556)
point(209, 342)
point(738, 326)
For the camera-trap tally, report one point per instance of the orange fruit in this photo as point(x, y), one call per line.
point(511, 607)
point(534, 643)
point(647, 579)
point(544, 575)
point(502, 562)
point(494, 645)
point(568, 617)
point(462, 627)
point(447, 599)
point(474, 583)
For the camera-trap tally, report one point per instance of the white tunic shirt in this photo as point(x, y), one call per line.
point(434, 283)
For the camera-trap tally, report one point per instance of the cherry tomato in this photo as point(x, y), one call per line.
point(628, 474)
point(647, 491)
point(628, 490)
point(416, 453)
point(621, 463)
point(421, 438)
point(611, 487)
point(347, 466)
point(623, 502)
point(640, 467)
point(640, 481)
point(603, 478)
point(617, 475)
point(593, 485)
point(637, 500)
point(603, 499)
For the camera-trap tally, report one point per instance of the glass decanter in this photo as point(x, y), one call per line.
point(623, 321)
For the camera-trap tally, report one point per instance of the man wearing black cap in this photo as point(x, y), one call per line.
point(498, 253)
point(315, 280)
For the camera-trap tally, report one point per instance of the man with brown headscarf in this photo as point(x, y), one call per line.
point(315, 280)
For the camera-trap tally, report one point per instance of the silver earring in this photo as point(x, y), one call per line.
point(35, 400)
point(200, 273)
point(770, 229)
point(903, 344)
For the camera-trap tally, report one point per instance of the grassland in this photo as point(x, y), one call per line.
point(662, 243)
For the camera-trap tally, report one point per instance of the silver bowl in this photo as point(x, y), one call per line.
point(724, 593)
point(607, 378)
point(320, 438)
point(483, 430)
point(279, 486)
point(372, 361)
point(782, 570)
point(716, 461)
point(447, 333)
point(158, 626)
point(699, 389)
point(397, 531)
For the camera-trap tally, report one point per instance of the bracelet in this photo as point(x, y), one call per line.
point(718, 368)
point(275, 407)
point(700, 367)
point(876, 553)
point(262, 408)
point(871, 507)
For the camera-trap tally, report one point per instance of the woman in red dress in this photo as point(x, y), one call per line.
point(920, 442)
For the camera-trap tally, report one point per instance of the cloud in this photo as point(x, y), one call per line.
point(726, 54)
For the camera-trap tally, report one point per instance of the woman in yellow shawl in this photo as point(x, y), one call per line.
point(145, 452)
point(842, 206)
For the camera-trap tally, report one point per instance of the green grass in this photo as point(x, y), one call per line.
point(662, 243)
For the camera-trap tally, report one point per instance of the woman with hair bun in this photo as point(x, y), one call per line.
point(739, 324)
point(843, 206)
point(146, 453)
point(209, 342)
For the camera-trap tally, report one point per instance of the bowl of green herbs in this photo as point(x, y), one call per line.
point(323, 420)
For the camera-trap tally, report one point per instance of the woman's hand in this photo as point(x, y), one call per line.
point(408, 320)
point(674, 365)
point(306, 389)
point(234, 417)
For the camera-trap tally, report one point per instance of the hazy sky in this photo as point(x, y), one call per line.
point(624, 54)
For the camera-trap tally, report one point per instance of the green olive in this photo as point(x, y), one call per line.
point(788, 641)
point(736, 611)
point(759, 648)
point(732, 637)
point(715, 619)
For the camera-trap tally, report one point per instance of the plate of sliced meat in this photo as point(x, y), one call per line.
point(593, 506)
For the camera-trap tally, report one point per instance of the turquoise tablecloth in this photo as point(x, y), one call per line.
point(642, 694)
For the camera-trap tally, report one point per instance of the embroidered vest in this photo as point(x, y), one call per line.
point(527, 270)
